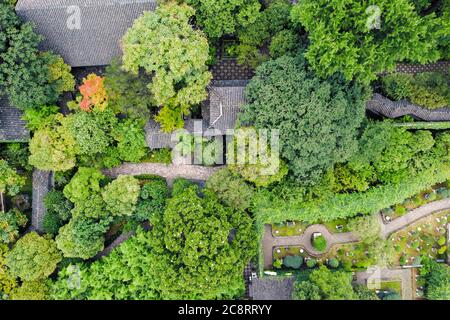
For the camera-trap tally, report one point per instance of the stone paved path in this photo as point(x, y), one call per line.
point(169, 172)
point(413, 216)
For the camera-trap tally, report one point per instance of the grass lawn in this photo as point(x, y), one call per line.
point(392, 285)
point(421, 238)
point(332, 226)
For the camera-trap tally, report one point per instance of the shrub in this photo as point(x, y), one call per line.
point(333, 263)
point(278, 263)
point(442, 241)
point(294, 262)
point(392, 296)
point(52, 222)
point(319, 243)
point(429, 89)
point(311, 263)
point(400, 210)
point(160, 156)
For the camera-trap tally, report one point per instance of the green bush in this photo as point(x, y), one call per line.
point(160, 156)
point(428, 89)
point(319, 243)
point(311, 263)
point(294, 262)
point(333, 263)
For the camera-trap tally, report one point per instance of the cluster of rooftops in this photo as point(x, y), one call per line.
point(94, 40)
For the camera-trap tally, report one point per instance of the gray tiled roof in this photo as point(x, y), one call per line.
point(103, 23)
point(12, 128)
point(226, 99)
point(156, 139)
point(272, 288)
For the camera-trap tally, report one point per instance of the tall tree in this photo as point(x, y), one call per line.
point(222, 17)
point(318, 119)
point(53, 147)
point(30, 78)
point(361, 38)
point(324, 284)
point(167, 48)
point(33, 257)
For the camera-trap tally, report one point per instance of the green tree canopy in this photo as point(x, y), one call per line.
point(167, 48)
point(324, 284)
point(30, 78)
point(53, 147)
point(10, 181)
point(84, 183)
point(33, 257)
point(222, 17)
point(347, 38)
point(196, 250)
point(82, 237)
point(318, 119)
point(231, 189)
point(121, 195)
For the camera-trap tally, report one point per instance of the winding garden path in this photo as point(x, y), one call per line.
point(413, 216)
point(169, 172)
point(270, 242)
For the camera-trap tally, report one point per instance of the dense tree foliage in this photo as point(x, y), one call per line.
point(152, 199)
point(31, 290)
point(128, 93)
point(272, 28)
point(84, 183)
point(196, 250)
point(224, 17)
point(10, 181)
point(392, 165)
point(436, 278)
point(262, 166)
point(30, 78)
point(10, 224)
point(7, 281)
point(231, 189)
point(168, 49)
point(121, 195)
point(324, 284)
point(33, 257)
point(429, 89)
point(53, 147)
point(82, 237)
point(318, 119)
point(362, 38)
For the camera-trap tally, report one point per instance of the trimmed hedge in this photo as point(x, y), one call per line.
point(347, 205)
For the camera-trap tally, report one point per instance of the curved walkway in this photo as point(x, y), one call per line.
point(413, 216)
point(169, 172)
point(270, 242)
point(395, 109)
